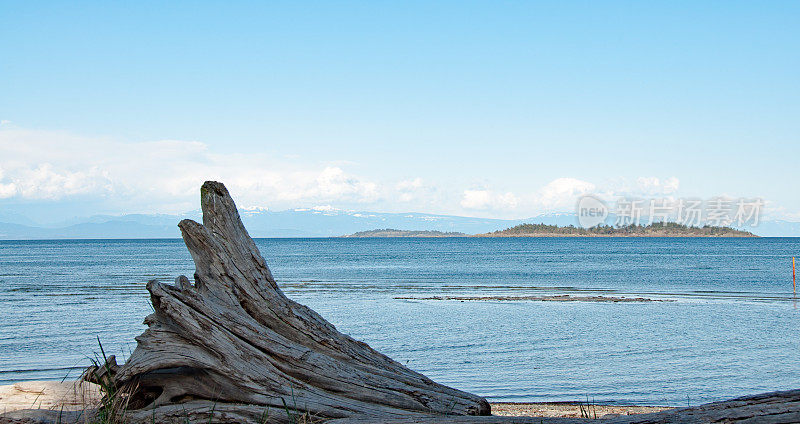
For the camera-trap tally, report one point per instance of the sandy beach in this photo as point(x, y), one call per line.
point(54, 395)
point(75, 396)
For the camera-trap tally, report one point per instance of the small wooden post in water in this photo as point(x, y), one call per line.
point(794, 280)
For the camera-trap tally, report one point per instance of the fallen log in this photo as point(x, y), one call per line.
point(768, 408)
point(234, 344)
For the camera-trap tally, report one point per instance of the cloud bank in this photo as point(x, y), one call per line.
point(52, 167)
point(162, 176)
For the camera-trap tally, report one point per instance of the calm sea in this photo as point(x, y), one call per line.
point(732, 326)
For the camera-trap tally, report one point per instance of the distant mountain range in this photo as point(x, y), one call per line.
point(300, 223)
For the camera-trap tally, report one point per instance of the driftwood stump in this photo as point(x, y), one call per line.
point(234, 347)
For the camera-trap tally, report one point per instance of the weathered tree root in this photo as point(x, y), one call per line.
point(234, 343)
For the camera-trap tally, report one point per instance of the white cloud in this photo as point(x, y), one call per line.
point(563, 192)
point(334, 183)
point(44, 182)
point(488, 200)
point(656, 186)
point(410, 189)
point(161, 176)
point(409, 185)
point(641, 187)
point(164, 176)
point(771, 211)
point(7, 190)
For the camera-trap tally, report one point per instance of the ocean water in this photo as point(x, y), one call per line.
point(730, 325)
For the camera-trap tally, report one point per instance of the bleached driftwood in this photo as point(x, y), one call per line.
point(233, 348)
point(235, 344)
point(767, 408)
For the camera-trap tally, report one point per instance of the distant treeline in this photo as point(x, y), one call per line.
point(654, 229)
point(669, 229)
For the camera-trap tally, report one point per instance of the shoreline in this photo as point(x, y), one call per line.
point(31, 398)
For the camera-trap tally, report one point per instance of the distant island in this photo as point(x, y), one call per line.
point(390, 232)
point(669, 229)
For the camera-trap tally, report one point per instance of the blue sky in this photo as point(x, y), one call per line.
point(497, 109)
